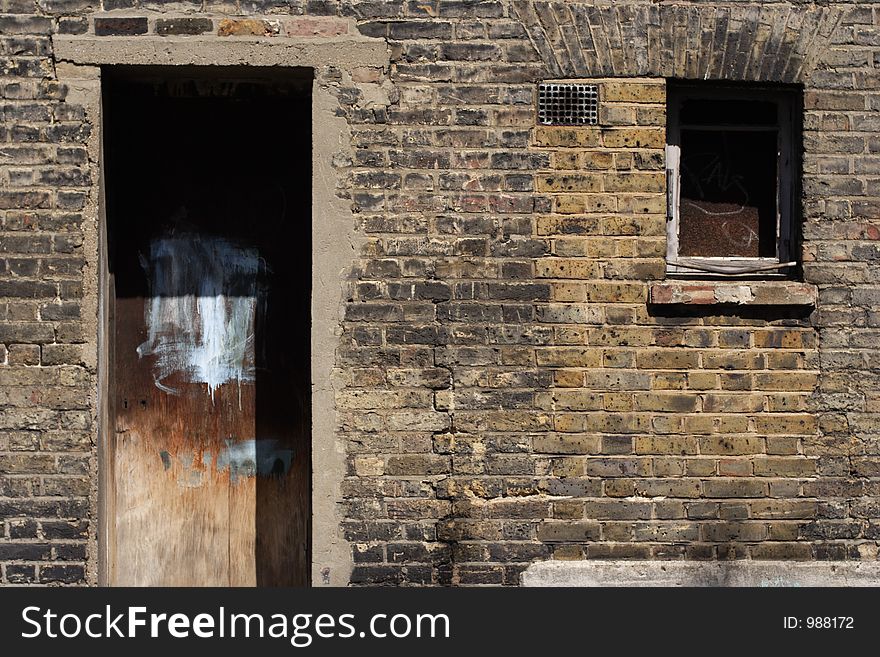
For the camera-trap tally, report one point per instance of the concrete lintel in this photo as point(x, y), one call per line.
point(703, 573)
point(343, 52)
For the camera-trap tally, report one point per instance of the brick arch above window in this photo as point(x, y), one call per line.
point(776, 42)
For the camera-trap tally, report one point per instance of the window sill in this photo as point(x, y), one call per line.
point(738, 293)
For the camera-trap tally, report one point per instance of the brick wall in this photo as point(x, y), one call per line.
point(507, 392)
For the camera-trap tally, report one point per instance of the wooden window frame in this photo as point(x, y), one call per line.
point(783, 264)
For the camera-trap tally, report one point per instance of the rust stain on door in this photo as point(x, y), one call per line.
point(188, 452)
point(185, 417)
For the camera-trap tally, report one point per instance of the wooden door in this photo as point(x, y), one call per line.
point(210, 471)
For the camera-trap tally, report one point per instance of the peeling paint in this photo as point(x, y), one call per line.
point(734, 294)
point(200, 316)
point(246, 458)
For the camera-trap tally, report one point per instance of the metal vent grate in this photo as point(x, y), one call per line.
point(568, 104)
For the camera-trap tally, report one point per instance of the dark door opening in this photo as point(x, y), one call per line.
point(208, 197)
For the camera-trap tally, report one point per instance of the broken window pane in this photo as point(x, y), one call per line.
point(728, 192)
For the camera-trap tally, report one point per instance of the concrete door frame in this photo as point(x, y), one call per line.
point(335, 245)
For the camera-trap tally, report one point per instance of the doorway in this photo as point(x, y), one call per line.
point(208, 211)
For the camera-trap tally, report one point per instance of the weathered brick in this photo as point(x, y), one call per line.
point(247, 27)
point(183, 26)
point(568, 532)
point(120, 26)
point(734, 488)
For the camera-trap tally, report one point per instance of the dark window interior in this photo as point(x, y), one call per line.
point(737, 171)
point(728, 193)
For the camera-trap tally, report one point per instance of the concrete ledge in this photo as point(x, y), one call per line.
point(702, 573)
point(749, 293)
point(345, 52)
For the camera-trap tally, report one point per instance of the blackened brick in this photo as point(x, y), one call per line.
point(120, 26)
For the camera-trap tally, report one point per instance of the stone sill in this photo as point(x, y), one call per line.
point(771, 573)
point(737, 293)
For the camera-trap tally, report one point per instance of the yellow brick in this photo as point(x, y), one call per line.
point(616, 292)
point(569, 204)
point(651, 115)
point(786, 339)
point(623, 161)
point(576, 400)
point(570, 334)
point(600, 203)
point(666, 466)
point(649, 248)
point(569, 248)
point(797, 466)
point(620, 337)
point(629, 91)
point(365, 466)
point(568, 553)
point(618, 488)
point(566, 268)
point(617, 358)
point(674, 402)
point(734, 467)
point(648, 225)
point(568, 378)
point(598, 160)
point(630, 268)
point(733, 424)
point(567, 467)
point(569, 183)
point(664, 424)
point(733, 403)
point(566, 160)
point(554, 443)
point(786, 424)
point(568, 292)
point(730, 445)
point(702, 381)
point(787, 402)
point(699, 424)
point(731, 359)
point(569, 357)
point(669, 381)
point(567, 225)
point(568, 422)
point(566, 137)
point(786, 381)
point(635, 182)
point(783, 445)
point(784, 360)
point(517, 356)
point(568, 510)
point(616, 422)
point(612, 114)
point(653, 204)
point(606, 248)
point(667, 359)
point(618, 402)
point(700, 467)
point(680, 445)
point(634, 137)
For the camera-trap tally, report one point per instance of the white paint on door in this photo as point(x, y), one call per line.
point(200, 314)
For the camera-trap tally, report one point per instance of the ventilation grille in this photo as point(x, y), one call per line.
point(568, 104)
